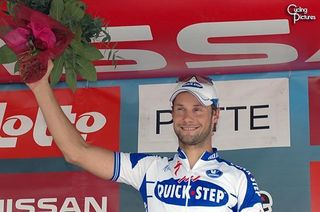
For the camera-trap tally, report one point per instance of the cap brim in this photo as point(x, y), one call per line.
point(205, 102)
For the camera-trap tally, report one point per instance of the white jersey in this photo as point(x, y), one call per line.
point(169, 185)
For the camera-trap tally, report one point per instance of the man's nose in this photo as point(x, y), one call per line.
point(188, 115)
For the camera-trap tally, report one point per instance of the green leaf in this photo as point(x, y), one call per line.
point(56, 9)
point(57, 70)
point(110, 53)
point(77, 32)
point(16, 67)
point(86, 51)
point(76, 45)
point(71, 77)
point(75, 10)
point(10, 7)
point(107, 37)
point(7, 55)
point(91, 53)
point(86, 69)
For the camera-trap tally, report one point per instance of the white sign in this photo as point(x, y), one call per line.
point(254, 114)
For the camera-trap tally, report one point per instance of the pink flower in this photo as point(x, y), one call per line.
point(43, 34)
point(17, 39)
point(31, 36)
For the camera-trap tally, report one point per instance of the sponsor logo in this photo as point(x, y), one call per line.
point(20, 124)
point(57, 191)
point(192, 84)
point(86, 204)
point(255, 120)
point(199, 193)
point(177, 167)
point(196, 40)
point(214, 155)
point(186, 179)
point(166, 168)
point(250, 177)
point(23, 128)
point(214, 173)
point(267, 201)
point(299, 13)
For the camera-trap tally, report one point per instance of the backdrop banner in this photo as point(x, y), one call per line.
point(254, 114)
point(63, 191)
point(168, 38)
point(264, 57)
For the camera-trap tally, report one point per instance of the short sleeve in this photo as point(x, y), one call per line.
point(249, 196)
point(131, 168)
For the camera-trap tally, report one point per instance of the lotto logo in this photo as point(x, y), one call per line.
point(24, 133)
point(18, 125)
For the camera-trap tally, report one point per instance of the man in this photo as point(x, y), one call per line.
point(195, 180)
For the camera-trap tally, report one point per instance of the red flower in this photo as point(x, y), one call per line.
point(17, 39)
point(35, 38)
point(44, 38)
point(34, 35)
point(32, 68)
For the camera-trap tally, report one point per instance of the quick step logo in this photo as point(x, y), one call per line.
point(95, 113)
point(199, 193)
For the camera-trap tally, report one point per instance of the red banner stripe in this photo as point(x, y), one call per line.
point(315, 185)
point(314, 110)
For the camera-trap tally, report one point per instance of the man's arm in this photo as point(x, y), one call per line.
point(94, 159)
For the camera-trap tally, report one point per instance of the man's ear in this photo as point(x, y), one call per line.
point(216, 115)
point(215, 118)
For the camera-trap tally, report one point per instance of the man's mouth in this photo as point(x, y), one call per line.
point(189, 128)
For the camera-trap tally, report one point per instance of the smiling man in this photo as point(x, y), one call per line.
point(195, 113)
point(196, 179)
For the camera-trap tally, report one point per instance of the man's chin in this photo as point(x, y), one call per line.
point(188, 140)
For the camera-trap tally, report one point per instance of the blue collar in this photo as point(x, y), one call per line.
point(206, 156)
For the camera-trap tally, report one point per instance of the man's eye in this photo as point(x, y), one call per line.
point(197, 109)
point(178, 109)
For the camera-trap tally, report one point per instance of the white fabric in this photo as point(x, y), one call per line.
point(168, 185)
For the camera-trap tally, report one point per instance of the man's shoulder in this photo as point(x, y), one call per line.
point(135, 158)
point(235, 169)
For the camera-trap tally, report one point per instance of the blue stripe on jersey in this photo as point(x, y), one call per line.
point(235, 208)
point(143, 190)
point(252, 197)
point(135, 157)
point(252, 194)
point(116, 166)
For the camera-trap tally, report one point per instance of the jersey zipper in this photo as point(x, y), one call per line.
point(188, 196)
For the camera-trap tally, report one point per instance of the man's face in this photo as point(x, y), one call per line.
point(192, 122)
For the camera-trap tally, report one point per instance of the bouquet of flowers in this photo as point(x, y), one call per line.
point(36, 31)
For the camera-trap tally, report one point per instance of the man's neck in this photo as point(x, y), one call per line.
point(194, 152)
